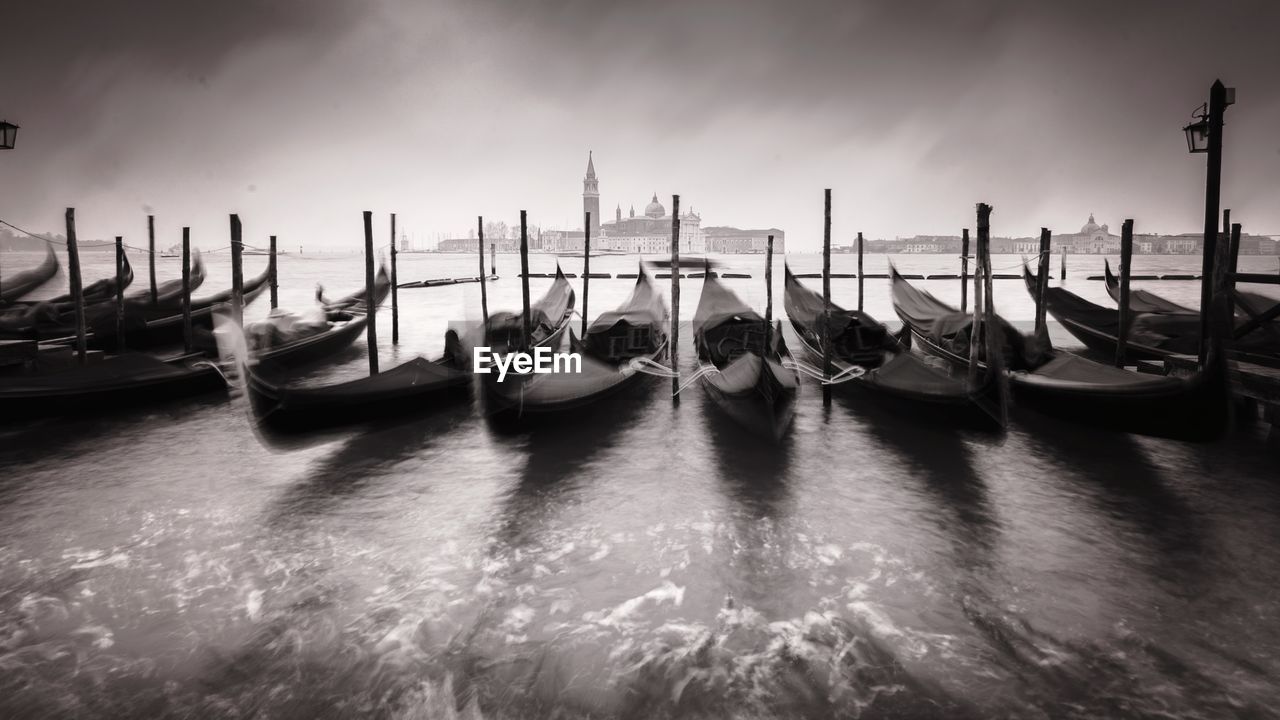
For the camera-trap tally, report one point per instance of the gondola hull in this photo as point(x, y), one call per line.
point(945, 403)
point(759, 395)
point(15, 286)
point(415, 387)
point(113, 383)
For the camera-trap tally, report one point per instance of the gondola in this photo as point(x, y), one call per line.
point(741, 362)
point(614, 347)
point(149, 326)
point(416, 386)
point(1068, 386)
point(894, 376)
point(113, 382)
point(20, 283)
point(54, 321)
point(345, 325)
point(1182, 324)
point(1097, 327)
point(100, 290)
point(549, 322)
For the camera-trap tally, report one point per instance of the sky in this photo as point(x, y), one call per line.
point(300, 114)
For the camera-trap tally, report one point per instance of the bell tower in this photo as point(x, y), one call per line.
point(591, 196)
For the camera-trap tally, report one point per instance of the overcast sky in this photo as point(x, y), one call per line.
point(298, 114)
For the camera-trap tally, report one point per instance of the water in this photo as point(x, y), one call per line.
point(643, 561)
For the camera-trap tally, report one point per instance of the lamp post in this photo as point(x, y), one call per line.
point(8, 135)
point(1205, 136)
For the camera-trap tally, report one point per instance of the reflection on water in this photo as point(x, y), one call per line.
point(639, 560)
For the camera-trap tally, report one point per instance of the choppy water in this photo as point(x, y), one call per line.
point(644, 560)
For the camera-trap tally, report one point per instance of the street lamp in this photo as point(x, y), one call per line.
point(1198, 132)
point(8, 133)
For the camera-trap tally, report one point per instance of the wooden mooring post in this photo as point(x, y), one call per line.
point(675, 298)
point(826, 296)
point(859, 271)
point(151, 256)
point(768, 296)
point(77, 289)
point(484, 293)
point(272, 273)
point(524, 278)
point(119, 294)
point(964, 270)
point(1062, 268)
point(370, 306)
point(237, 272)
point(586, 268)
point(395, 295)
point(1126, 272)
point(980, 272)
point(1042, 279)
point(493, 258)
point(188, 340)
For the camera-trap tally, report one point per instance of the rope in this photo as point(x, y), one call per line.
point(853, 372)
point(702, 371)
point(652, 367)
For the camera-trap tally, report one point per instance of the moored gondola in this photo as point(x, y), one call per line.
point(20, 283)
point(1068, 386)
point(613, 351)
point(1169, 324)
point(892, 375)
point(741, 362)
point(417, 386)
point(106, 384)
point(549, 320)
point(343, 327)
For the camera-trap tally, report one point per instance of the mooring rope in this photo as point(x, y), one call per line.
point(652, 367)
point(853, 372)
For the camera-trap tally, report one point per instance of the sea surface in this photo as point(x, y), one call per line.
point(641, 559)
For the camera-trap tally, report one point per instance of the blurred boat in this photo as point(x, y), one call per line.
point(549, 322)
point(1068, 386)
point(741, 362)
point(616, 345)
point(20, 283)
point(417, 386)
point(346, 319)
point(893, 376)
point(105, 384)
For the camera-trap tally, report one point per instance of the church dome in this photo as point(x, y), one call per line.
point(654, 208)
point(1089, 227)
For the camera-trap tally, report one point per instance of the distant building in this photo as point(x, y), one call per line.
point(731, 240)
point(1093, 239)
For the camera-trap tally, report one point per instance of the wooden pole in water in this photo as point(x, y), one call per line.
point(1042, 278)
point(187, 339)
point(980, 272)
point(675, 297)
point(237, 272)
point(151, 247)
point(77, 291)
point(275, 285)
point(493, 258)
point(484, 293)
point(1232, 264)
point(964, 270)
point(395, 296)
point(1062, 268)
point(1212, 198)
point(586, 268)
point(826, 295)
point(524, 277)
point(768, 295)
point(1126, 270)
point(119, 294)
point(370, 329)
point(859, 272)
